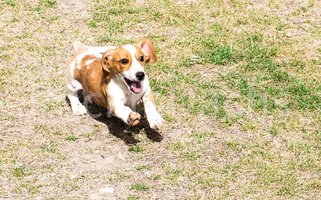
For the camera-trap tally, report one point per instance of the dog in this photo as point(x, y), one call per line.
point(113, 77)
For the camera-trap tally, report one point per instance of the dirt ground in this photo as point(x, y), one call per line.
point(48, 153)
point(95, 162)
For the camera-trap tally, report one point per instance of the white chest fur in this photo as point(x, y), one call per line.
point(118, 92)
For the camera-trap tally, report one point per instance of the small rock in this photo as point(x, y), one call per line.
point(106, 190)
point(194, 57)
point(73, 176)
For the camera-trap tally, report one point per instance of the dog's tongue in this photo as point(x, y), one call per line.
point(135, 86)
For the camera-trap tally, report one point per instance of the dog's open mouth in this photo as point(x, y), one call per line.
point(134, 86)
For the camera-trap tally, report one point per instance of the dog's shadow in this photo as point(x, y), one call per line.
point(117, 127)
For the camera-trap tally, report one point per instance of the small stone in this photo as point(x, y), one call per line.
point(106, 190)
point(194, 57)
point(73, 177)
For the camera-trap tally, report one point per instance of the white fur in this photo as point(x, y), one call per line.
point(135, 67)
point(154, 119)
point(88, 62)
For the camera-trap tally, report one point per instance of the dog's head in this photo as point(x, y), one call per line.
point(127, 62)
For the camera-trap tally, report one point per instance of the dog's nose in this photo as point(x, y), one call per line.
point(140, 75)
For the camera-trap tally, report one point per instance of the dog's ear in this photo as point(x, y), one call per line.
point(107, 57)
point(147, 47)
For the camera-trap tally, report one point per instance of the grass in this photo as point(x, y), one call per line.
point(237, 82)
point(139, 187)
point(135, 149)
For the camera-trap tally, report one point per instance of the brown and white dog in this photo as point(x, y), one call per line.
point(113, 77)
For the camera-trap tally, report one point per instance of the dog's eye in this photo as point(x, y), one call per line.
point(141, 58)
point(124, 61)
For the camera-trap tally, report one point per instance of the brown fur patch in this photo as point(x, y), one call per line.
point(94, 79)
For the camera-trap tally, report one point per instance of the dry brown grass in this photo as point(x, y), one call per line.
point(237, 82)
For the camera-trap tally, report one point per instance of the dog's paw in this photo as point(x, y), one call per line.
point(133, 118)
point(79, 109)
point(156, 121)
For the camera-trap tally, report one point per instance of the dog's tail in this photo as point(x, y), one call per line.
point(78, 45)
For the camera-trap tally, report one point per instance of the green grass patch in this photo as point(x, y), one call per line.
point(48, 3)
point(139, 187)
point(72, 138)
point(136, 149)
point(19, 172)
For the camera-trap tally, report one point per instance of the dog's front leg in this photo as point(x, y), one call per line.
point(154, 119)
point(125, 113)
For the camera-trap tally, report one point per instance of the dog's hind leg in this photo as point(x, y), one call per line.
point(72, 93)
